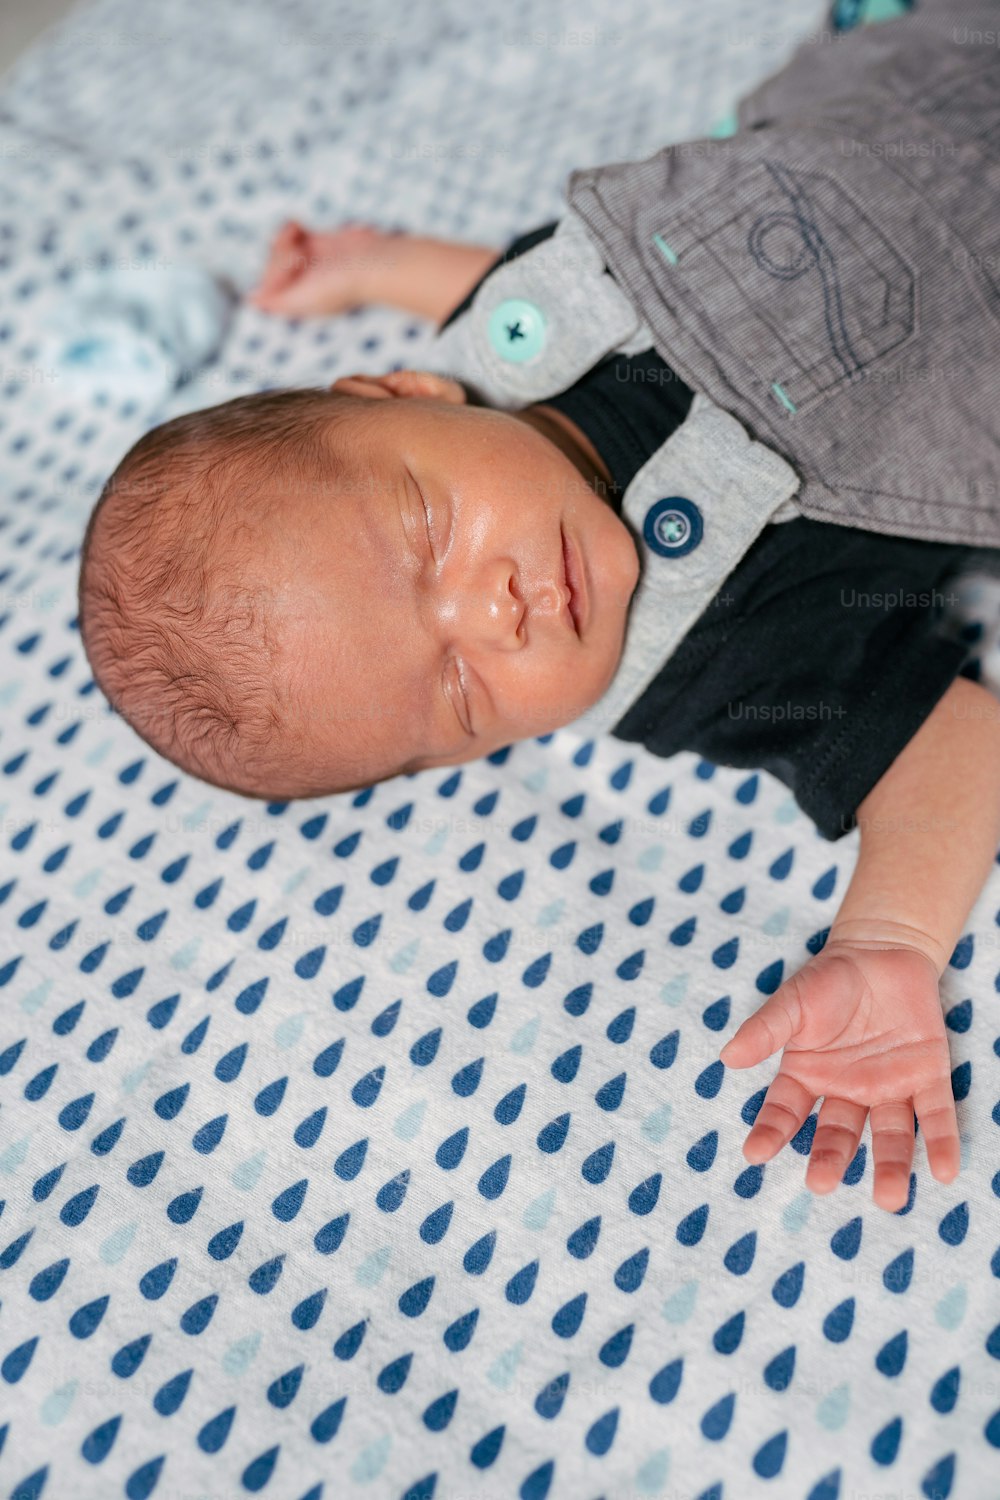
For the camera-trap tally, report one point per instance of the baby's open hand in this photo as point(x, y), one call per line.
point(312, 273)
point(864, 1028)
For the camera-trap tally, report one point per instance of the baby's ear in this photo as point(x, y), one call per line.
point(403, 383)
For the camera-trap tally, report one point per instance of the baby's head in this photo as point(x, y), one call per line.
point(307, 591)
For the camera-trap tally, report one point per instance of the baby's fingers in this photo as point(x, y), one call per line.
point(838, 1131)
point(785, 1108)
point(892, 1149)
point(935, 1107)
point(285, 262)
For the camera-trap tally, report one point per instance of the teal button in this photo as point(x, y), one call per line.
point(517, 330)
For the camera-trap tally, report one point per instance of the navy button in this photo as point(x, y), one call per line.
point(673, 526)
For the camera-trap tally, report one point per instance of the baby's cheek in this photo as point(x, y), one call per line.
point(586, 676)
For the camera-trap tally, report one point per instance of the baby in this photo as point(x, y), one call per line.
point(273, 591)
point(303, 592)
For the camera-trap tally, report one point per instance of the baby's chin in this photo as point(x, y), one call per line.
point(633, 564)
point(621, 568)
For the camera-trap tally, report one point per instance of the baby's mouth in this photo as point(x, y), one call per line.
point(573, 576)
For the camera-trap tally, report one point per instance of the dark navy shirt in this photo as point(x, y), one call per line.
point(824, 650)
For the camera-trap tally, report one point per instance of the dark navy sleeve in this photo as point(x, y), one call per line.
point(818, 660)
point(516, 247)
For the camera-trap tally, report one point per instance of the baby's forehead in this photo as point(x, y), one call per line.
point(367, 447)
point(273, 486)
point(326, 523)
point(353, 451)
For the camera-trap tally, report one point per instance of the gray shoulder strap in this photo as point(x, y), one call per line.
point(537, 324)
point(694, 509)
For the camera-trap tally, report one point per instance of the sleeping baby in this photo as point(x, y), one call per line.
point(606, 505)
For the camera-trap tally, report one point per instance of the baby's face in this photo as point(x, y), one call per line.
point(459, 587)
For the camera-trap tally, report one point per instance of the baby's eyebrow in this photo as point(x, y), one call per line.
point(382, 466)
point(384, 527)
point(386, 534)
point(368, 474)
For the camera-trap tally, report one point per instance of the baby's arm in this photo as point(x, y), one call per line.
point(861, 1024)
point(930, 829)
point(311, 273)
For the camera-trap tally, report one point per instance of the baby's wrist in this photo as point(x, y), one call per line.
point(379, 261)
point(421, 275)
point(880, 932)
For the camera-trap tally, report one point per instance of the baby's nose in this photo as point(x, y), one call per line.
point(486, 605)
point(490, 605)
point(508, 600)
point(496, 606)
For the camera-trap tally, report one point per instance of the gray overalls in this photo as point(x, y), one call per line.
point(827, 281)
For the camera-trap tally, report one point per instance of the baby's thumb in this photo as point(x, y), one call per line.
point(766, 1031)
point(285, 265)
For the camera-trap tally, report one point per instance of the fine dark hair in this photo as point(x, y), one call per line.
point(176, 615)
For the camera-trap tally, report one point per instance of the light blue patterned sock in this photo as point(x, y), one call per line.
point(135, 332)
